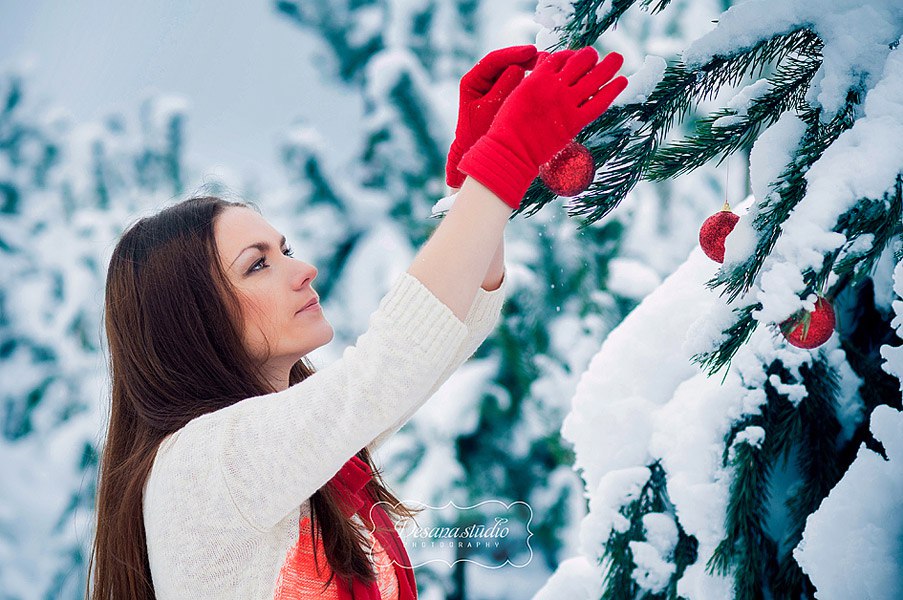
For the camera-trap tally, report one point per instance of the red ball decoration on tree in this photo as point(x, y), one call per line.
point(810, 329)
point(715, 230)
point(570, 171)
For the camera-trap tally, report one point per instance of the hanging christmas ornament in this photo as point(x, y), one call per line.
point(810, 329)
point(715, 230)
point(570, 171)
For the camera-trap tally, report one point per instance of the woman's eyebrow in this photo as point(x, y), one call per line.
point(262, 246)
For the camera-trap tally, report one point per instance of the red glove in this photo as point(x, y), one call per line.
point(482, 91)
point(563, 94)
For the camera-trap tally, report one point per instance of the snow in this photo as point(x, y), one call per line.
point(661, 532)
point(631, 278)
point(752, 436)
point(652, 557)
point(552, 14)
point(642, 82)
point(851, 548)
point(741, 103)
point(727, 121)
point(640, 399)
point(367, 25)
point(615, 489)
point(576, 578)
point(621, 421)
point(779, 286)
point(443, 204)
point(770, 154)
point(795, 392)
point(865, 159)
point(652, 572)
point(743, 99)
point(893, 355)
point(856, 37)
point(599, 429)
point(303, 136)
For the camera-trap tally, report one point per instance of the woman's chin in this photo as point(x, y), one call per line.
point(323, 335)
point(328, 335)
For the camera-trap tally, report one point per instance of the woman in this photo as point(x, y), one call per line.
point(231, 469)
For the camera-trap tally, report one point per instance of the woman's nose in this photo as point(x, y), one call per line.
point(304, 274)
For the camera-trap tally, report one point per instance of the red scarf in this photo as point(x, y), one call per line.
point(349, 484)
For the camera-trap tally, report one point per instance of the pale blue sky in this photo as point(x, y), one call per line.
point(247, 72)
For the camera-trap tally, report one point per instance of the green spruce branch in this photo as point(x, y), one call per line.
point(747, 551)
point(882, 219)
point(618, 582)
point(621, 175)
point(684, 85)
point(815, 435)
point(624, 141)
point(746, 547)
point(734, 337)
point(586, 25)
point(787, 91)
point(809, 432)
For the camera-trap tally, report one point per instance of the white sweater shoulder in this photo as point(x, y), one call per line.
point(223, 482)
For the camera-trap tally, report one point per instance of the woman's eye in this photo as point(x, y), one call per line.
point(261, 261)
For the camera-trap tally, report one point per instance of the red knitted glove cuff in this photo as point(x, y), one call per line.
point(502, 171)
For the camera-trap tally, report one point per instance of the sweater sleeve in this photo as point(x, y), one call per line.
point(481, 320)
point(275, 450)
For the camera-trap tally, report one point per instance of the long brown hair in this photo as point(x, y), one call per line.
point(172, 324)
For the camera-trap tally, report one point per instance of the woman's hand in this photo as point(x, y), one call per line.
point(564, 93)
point(482, 91)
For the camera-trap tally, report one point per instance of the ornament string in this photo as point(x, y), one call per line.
point(727, 184)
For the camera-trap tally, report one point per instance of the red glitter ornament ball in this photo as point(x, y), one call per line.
point(570, 171)
point(810, 329)
point(715, 230)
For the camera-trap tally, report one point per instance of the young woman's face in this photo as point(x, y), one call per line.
point(272, 287)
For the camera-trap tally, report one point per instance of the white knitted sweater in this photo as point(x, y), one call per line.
point(224, 497)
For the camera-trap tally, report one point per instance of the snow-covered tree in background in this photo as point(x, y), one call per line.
point(66, 191)
point(781, 476)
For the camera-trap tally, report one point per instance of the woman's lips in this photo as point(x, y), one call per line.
point(311, 307)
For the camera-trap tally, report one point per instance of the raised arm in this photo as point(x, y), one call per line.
point(565, 91)
point(454, 261)
point(493, 278)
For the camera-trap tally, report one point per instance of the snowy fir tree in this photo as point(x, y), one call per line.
point(739, 433)
point(67, 190)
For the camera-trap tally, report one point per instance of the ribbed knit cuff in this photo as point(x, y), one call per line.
point(499, 169)
point(422, 319)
